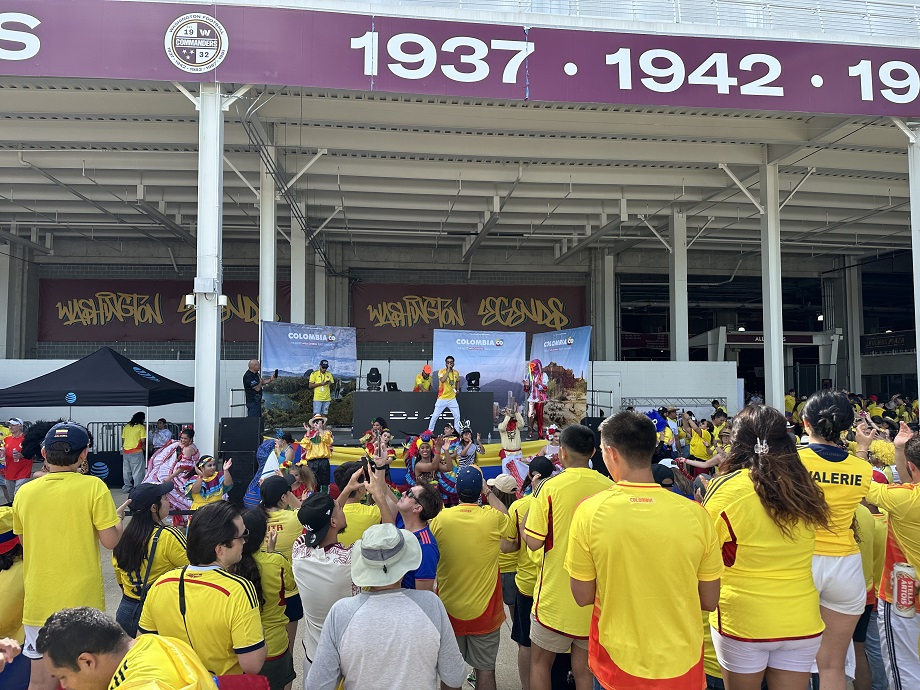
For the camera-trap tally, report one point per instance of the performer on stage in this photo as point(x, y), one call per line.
point(423, 380)
point(536, 383)
point(317, 450)
point(512, 460)
point(321, 384)
point(448, 387)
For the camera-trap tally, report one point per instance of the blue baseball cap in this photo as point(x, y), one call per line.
point(469, 484)
point(71, 433)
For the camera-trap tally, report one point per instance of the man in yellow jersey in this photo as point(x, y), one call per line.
point(423, 380)
point(528, 569)
point(214, 611)
point(469, 538)
point(321, 384)
point(349, 476)
point(639, 638)
point(87, 650)
point(448, 387)
point(899, 635)
point(62, 517)
point(789, 402)
point(558, 623)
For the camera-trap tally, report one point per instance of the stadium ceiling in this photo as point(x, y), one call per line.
point(107, 159)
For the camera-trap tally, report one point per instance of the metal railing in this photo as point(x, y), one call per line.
point(842, 17)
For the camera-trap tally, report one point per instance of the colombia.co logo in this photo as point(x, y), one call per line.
point(570, 340)
point(196, 43)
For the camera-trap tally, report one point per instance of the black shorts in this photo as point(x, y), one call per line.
point(279, 671)
point(320, 469)
point(862, 626)
point(520, 622)
point(293, 607)
point(509, 589)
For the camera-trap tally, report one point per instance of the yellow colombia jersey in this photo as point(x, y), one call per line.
point(161, 663)
point(634, 629)
point(467, 577)
point(11, 586)
point(422, 383)
point(701, 444)
point(768, 591)
point(448, 389)
point(710, 660)
point(358, 517)
point(287, 527)
point(528, 562)
point(276, 575)
point(879, 541)
point(131, 437)
point(902, 502)
point(550, 519)
point(322, 393)
point(789, 403)
point(845, 480)
point(866, 524)
point(170, 554)
point(59, 517)
point(221, 615)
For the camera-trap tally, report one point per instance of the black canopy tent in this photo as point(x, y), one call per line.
point(104, 378)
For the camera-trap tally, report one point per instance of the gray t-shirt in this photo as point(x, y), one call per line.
point(415, 647)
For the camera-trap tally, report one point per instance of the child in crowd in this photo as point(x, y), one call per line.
point(209, 485)
point(304, 480)
point(468, 449)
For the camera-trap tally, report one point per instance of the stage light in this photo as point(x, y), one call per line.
point(820, 317)
point(741, 329)
point(472, 382)
point(374, 379)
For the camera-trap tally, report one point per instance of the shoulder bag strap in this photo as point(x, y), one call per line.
point(153, 550)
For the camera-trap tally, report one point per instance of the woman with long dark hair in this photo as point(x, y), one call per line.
point(146, 535)
point(133, 442)
point(766, 508)
point(837, 566)
point(271, 574)
point(280, 506)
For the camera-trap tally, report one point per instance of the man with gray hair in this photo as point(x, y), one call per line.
point(252, 387)
point(419, 645)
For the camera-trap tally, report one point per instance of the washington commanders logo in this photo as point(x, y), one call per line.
point(196, 43)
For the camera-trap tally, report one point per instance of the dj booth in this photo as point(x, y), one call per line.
point(408, 413)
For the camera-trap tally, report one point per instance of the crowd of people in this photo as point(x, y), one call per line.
point(773, 549)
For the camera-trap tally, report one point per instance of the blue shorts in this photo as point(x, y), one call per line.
point(293, 607)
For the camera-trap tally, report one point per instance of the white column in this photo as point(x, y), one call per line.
point(298, 273)
point(680, 319)
point(913, 168)
point(854, 323)
point(5, 296)
point(267, 243)
point(319, 291)
point(772, 273)
point(610, 307)
point(209, 272)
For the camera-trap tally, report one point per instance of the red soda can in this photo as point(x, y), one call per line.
point(903, 577)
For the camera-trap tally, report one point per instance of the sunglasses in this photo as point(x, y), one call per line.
point(244, 536)
point(408, 494)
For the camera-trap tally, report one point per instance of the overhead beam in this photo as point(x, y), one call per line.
point(741, 186)
point(497, 208)
point(7, 236)
point(167, 222)
point(319, 154)
point(604, 229)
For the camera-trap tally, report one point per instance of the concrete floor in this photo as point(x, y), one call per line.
point(506, 670)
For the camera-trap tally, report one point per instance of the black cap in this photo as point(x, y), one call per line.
point(273, 489)
point(71, 433)
point(660, 473)
point(543, 466)
point(324, 363)
point(145, 496)
point(315, 515)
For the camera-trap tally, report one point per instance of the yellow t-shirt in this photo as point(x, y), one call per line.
point(161, 663)
point(902, 502)
point(620, 536)
point(131, 437)
point(768, 591)
point(845, 480)
point(285, 524)
point(358, 517)
point(789, 403)
point(528, 562)
point(4, 431)
point(59, 517)
point(866, 524)
point(12, 587)
point(322, 393)
point(698, 447)
point(448, 390)
point(277, 578)
point(879, 540)
point(422, 383)
point(221, 615)
point(550, 519)
point(170, 554)
point(467, 576)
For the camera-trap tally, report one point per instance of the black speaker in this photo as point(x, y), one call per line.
point(240, 433)
point(597, 460)
point(242, 471)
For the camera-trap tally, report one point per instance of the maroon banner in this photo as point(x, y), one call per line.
point(144, 310)
point(235, 44)
point(409, 313)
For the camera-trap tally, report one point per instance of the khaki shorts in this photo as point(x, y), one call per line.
point(553, 641)
point(480, 651)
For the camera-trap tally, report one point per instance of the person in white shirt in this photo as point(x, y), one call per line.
point(161, 436)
